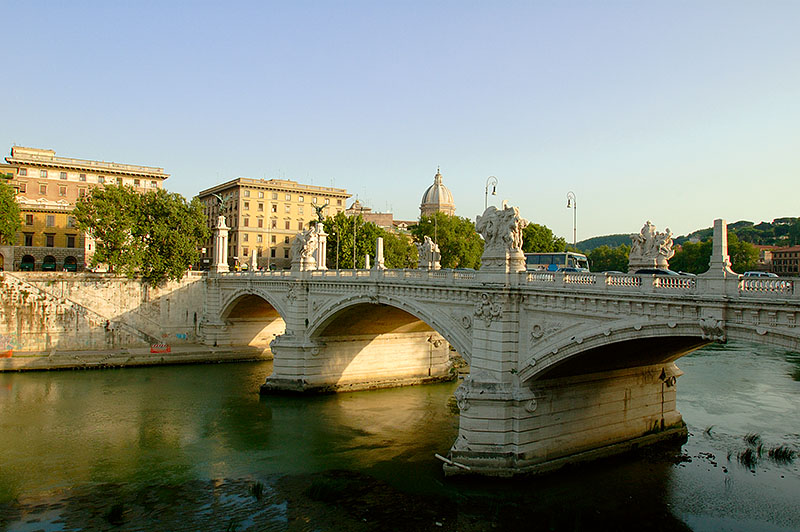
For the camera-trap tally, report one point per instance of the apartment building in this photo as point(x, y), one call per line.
point(47, 188)
point(264, 215)
point(786, 261)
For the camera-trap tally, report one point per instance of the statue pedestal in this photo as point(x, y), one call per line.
point(509, 261)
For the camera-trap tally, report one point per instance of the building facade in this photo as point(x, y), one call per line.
point(437, 198)
point(786, 261)
point(47, 188)
point(264, 215)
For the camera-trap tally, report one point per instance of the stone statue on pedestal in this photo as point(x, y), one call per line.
point(650, 249)
point(501, 230)
point(429, 255)
point(303, 248)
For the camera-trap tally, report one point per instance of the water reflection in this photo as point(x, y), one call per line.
point(172, 426)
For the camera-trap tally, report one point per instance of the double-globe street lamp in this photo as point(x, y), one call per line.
point(572, 203)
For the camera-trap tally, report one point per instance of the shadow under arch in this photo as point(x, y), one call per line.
point(364, 342)
point(324, 322)
point(251, 320)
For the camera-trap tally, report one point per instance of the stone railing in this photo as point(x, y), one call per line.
point(769, 288)
point(761, 285)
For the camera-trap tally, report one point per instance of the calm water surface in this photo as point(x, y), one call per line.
point(167, 425)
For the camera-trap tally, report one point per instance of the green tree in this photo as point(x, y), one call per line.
point(154, 235)
point(694, 257)
point(461, 246)
point(604, 258)
point(397, 250)
point(10, 221)
point(540, 239)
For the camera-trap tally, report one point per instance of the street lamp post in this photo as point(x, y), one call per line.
point(493, 180)
point(572, 203)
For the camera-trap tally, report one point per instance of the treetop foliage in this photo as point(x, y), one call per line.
point(460, 245)
point(155, 235)
point(540, 239)
point(398, 252)
point(10, 221)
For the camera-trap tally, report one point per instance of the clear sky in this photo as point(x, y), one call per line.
point(676, 112)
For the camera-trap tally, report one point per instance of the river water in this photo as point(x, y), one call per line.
point(69, 438)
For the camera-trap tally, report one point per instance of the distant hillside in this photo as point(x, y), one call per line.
point(611, 241)
point(779, 232)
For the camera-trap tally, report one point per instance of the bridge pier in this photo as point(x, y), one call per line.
point(363, 362)
point(507, 429)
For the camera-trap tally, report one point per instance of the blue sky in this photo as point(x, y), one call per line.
point(676, 112)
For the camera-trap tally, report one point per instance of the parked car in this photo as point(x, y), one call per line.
point(570, 269)
point(759, 274)
point(655, 271)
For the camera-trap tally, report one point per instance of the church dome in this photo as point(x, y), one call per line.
point(437, 198)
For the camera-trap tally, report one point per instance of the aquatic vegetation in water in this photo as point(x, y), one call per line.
point(748, 458)
point(752, 439)
point(782, 454)
point(257, 489)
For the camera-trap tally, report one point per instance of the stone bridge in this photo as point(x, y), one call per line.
point(565, 367)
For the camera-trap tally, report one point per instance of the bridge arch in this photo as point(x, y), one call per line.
point(252, 318)
point(436, 321)
point(628, 345)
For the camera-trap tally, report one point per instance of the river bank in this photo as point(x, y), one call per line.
point(130, 357)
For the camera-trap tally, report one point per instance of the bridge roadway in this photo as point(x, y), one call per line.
point(565, 367)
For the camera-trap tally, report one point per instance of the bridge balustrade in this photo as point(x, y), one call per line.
point(674, 282)
point(766, 286)
point(580, 278)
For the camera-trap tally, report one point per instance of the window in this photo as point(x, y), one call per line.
point(272, 239)
point(23, 187)
point(119, 181)
point(287, 225)
point(272, 253)
point(42, 189)
point(300, 209)
point(285, 253)
point(246, 221)
point(50, 240)
point(314, 200)
point(101, 179)
point(70, 241)
point(259, 239)
point(82, 177)
point(286, 240)
point(274, 207)
point(136, 182)
point(153, 184)
point(42, 173)
point(274, 224)
point(260, 207)
point(288, 197)
point(51, 220)
point(23, 171)
point(62, 191)
point(81, 192)
point(300, 199)
point(28, 219)
point(299, 225)
point(287, 209)
point(62, 175)
point(261, 194)
point(244, 251)
point(338, 202)
point(246, 193)
point(28, 239)
point(246, 206)
point(245, 237)
point(327, 201)
point(71, 221)
point(274, 195)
